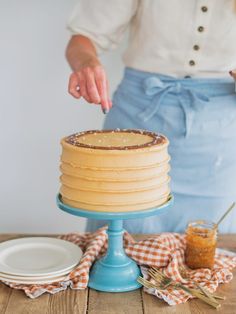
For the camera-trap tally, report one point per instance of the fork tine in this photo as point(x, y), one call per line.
point(141, 279)
point(156, 271)
point(153, 271)
point(155, 275)
point(157, 280)
point(162, 282)
point(159, 272)
point(161, 279)
point(146, 283)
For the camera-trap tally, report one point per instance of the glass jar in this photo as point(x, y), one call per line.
point(201, 239)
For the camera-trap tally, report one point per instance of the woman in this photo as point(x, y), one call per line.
point(177, 83)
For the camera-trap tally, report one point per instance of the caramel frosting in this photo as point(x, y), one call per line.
point(117, 208)
point(115, 185)
point(116, 139)
point(112, 153)
point(111, 174)
point(114, 170)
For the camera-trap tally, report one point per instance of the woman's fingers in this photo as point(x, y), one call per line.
point(91, 83)
point(83, 87)
point(108, 94)
point(100, 79)
point(91, 86)
point(233, 73)
point(73, 86)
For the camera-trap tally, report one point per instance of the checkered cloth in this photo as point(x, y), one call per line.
point(165, 251)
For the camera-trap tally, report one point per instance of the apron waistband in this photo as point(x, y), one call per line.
point(153, 86)
point(192, 93)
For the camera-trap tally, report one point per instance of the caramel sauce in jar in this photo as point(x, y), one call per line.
point(201, 239)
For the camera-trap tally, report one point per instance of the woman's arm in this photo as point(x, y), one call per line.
point(88, 79)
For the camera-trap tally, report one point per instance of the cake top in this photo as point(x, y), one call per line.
point(116, 139)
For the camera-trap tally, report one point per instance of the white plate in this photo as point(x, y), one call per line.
point(38, 256)
point(62, 273)
point(32, 282)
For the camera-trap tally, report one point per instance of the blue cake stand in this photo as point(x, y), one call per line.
point(115, 272)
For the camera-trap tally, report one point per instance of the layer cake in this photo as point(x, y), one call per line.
point(115, 170)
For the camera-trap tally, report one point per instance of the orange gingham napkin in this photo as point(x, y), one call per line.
point(164, 251)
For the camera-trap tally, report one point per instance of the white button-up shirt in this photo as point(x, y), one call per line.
point(172, 37)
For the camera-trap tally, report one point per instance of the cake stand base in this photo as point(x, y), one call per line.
point(115, 272)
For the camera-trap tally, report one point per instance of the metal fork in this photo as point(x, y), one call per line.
point(162, 282)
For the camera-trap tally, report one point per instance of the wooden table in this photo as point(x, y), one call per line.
point(93, 302)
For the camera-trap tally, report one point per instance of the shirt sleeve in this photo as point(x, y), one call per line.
point(102, 21)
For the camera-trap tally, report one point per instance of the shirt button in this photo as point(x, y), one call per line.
point(196, 47)
point(200, 29)
point(204, 9)
point(191, 62)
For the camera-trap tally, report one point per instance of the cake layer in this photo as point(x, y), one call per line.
point(147, 154)
point(113, 139)
point(114, 174)
point(119, 139)
point(112, 159)
point(115, 197)
point(102, 185)
point(117, 208)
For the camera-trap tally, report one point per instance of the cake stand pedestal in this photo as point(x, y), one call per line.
point(115, 272)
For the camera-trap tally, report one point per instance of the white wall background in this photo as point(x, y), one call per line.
point(36, 112)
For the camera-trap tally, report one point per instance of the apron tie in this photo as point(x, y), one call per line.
point(153, 86)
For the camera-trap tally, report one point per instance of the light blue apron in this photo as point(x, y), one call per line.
point(199, 118)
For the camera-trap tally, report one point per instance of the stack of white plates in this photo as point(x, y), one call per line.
point(37, 260)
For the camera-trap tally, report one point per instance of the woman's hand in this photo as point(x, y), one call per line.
point(233, 73)
point(90, 82)
point(88, 79)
